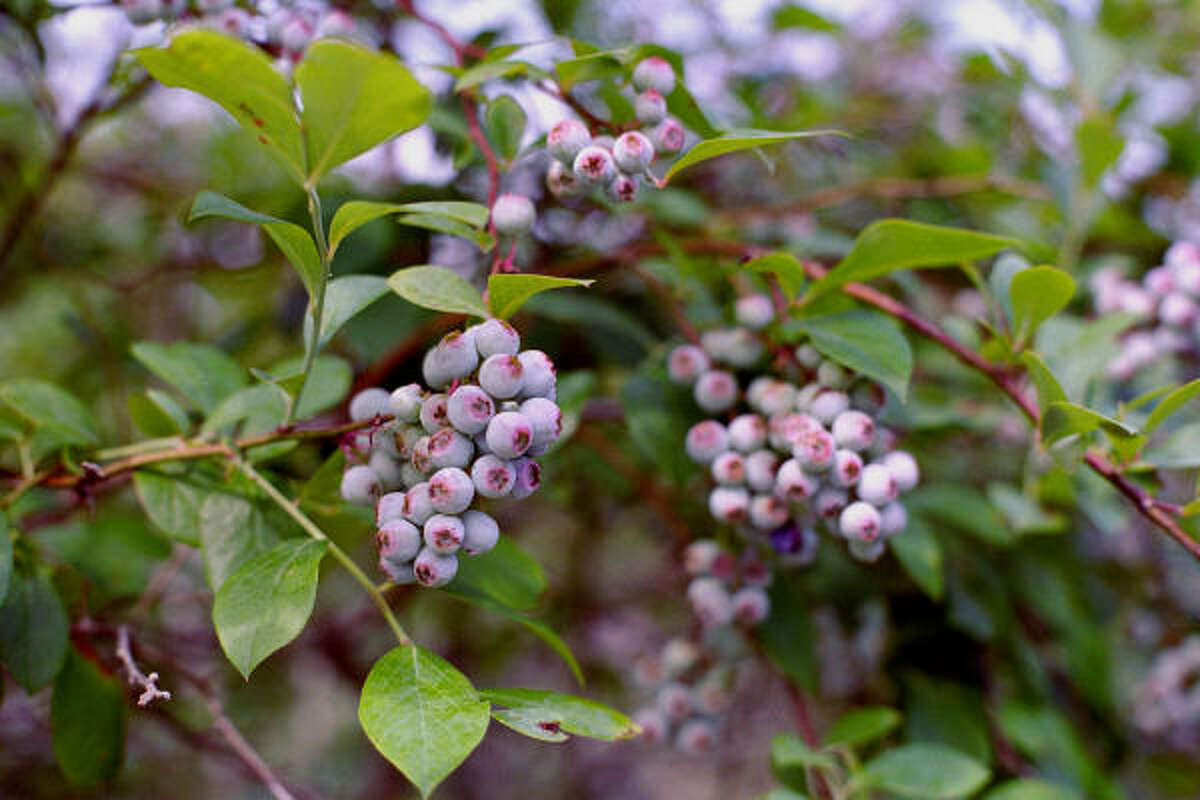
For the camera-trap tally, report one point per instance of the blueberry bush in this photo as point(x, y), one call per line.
point(780, 400)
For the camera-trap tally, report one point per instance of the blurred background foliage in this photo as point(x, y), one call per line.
point(1032, 629)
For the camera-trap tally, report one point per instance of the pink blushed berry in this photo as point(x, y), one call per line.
point(668, 136)
point(853, 430)
point(529, 477)
point(716, 391)
point(566, 138)
point(509, 434)
point(432, 569)
point(706, 440)
point(398, 540)
point(729, 469)
point(444, 534)
point(594, 165)
point(650, 107)
point(513, 214)
point(540, 376)
point(686, 363)
point(654, 73)
point(493, 477)
point(633, 152)
point(451, 490)
point(860, 521)
point(469, 409)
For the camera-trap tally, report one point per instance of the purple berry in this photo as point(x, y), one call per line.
point(828, 404)
point(388, 470)
point(624, 188)
point(449, 448)
point(398, 572)
point(877, 485)
point(903, 468)
point(529, 477)
point(668, 136)
point(729, 504)
point(451, 490)
point(496, 337)
point(418, 505)
point(453, 358)
point(747, 432)
point(390, 506)
point(482, 532)
point(686, 363)
point(509, 434)
point(444, 534)
point(433, 569)
point(893, 519)
point(433, 413)
point(546, 418)
point(398, 540)
point(361, 485)
point(492, 477)
point(814, 450)
point(716, 391)
point(469, 409)
point(761, 466)
point(566, 138)
point(847, 468)
point(502, 376)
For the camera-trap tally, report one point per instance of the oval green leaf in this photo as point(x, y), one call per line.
point(926, 771)
point(506, 125)
point(1063, 419)
point(33, 631)
point(201, 372)
point(738, 140)
point(1037, 294)
point(507, 293)
point(354, 214)
point(1031, 789)
point(345, 298)
point(1174, 401)
point(506, 575)
point(786, 268)
point(422, 714)
point(863, 725)
point(865, 341)
point(265, 603)
point(45, 405)
point(920, 554)
point(87, 721)
point(438, 289)
point(551, 715)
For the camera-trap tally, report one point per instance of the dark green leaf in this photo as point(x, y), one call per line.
point(961, 507)
point(202, 373)
point(354, 99)
point(793, 16)
point(863, 725)
point(540, 714)
point(790, 756)
point(266, 602)
point(865, 341)
point(439, 289)
point(734, 141)
point(422, 714)
point(591, 67)
point(328, 383)
point(506, 574)
point(1031, 789)
point(1037, 294)
point(354, 214)
point(894, 244)
point(489, 70)
point(506, 125)
point(156, 414)
point(788, 634)
point(87, 721)
point(344, 299)
point(6, 556)
point(507, 293)
point(926, 771)
point(946, 713)
point(240, 78)
point(1063, 419)
point(920, 553)
point(261, 408)
point(1099, 146)
point(232, 529)
point(442, 224)
point(33, 631)
point(785, 267)
point(45, 405)
point(172, 502)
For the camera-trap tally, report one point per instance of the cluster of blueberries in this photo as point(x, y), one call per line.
point(489, 410)
point(799, 457)
point(1166, 304)
point(1166, 703)
point(582, 162)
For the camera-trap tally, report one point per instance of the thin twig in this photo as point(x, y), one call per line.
point(147, 683)
point(233, 737)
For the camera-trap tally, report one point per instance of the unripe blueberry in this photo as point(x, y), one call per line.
point(768, 512)
point(453, 358)
point(699, 556)
point(668, 136)
point(492, 477)
point(747, 432)
point(390, 506)
point(633, 152)
point(513, 214)
point(806, 395)
point(831, 375)
point(433, 413)
point(595, 166)
point(566, 138)
point(860, 521)
point(903, 468)
point(730, 469)
point(398, 540)
point(750, 605)
point(383, 440)
point(624, 188)
point(744, 348)
point(755, 311)
point(885, 442)
point(761, 466)
point(711, 694)
point(482, 532)
point(828, 404)
point(793, 484)
point(696, 737)
point(653, 724)
point(509, 434)
point(710, 601)
point(674, 701)
point(418, 505)
point(847, 468)
point(729, 504)
point(808, 356)
point(540, 376)
point(853, 430)
point(398, 572)
point(1177, 310)
point(785, 430)
point(814, 449)
point(678, 656)
point(758, 389)
point(361, 485)
point(893, 519)
point(410, 475)
point(829, 503)
point(469, 409)
point(877, 485)
point(451, 490)
point(529, 477)
point(716, 390)
point(502, 376)
point(496, 337)
point(370, 403)
point(654, 73)
point(435, 370)
point(1159, 281)
point(449, 448)
point(434, 569)
point(650, 107)
point(866, 551)
point(388, 470)
point(546, 418)
point(405, 402)
point(706, 440)
point(777, 398)
point(421, 459)
point(562, 182)
point(686, 363)
point(444, 533)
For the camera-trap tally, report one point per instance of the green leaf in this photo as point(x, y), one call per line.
point(783, 794)
point(328, 383)
point(920, 554)
point(295, 242)
point(489, 70)
point(1099, 146)
point(233, 530)
point(506, 574)
point(1180, 450)
point(442, 224)
point(47, 406)
point(172, 502)
point(33, 631)
point(737, 140)
point(863, 725)
point(202, 373)
point(240, 78)
point(944, 712)
point(439, 289)
point(6, 557)
point(1048, 389)
point(1037, 294)
point(1176, 400)
point(865, 341)
point(265, 603)
point(507, 293)
point(354, 214)
point(1031, 789)
point(422, 714)
point(506, 125)
point(354, 99)
point(87, 721)
point(788, 635)
point(157, 414)
point(344, 299)
point(961, 507)
point(590, 67)
point(261, 408)
point(926, 771)
point(790, 756)
point(1063, 419)
point(549, 715)
point(787, 269)
point(793, 16)
point(894, 244)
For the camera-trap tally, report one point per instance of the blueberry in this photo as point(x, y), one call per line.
point(370, 403)
point(546, 418)
point(398, 540)
point(509, 434)
point(418, 505)
point(716, 391)
point(853, 430)
point(360, 485)
point(539, 372)
point(594, 165)
point(433, 413)
point(877, 485)
point(482, 532)
point(492, 476)
point(706, 440)
point(566, 138)
point(654, 73)
point(633, 152)
point(451, 490)
point(513, 214)
point(755, 311)
point(405, 402)
point(444, 534)
point(860, 521)
point(433, 569)
point(529, 477)
point(650, 107)
point(496, 337)
point(502, 376)
point(469, 409)
point(449, 448)
point(686, 363)
point(668, 136)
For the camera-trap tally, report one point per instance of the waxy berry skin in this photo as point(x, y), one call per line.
point(860, 521)
point(540, 376)
point(729, 504)
point(493, 477)
point(650, 107)
point(370, 403)
point(432, 569)
point(418, 505)
point(469, 409)
point(398, 540)
point(481, 534)
point(633, 152)
point(451, 491)
point(716, 391)
point(361, 485)
point(755, 311)
point(729, 469)
point(390, 506)
point(687, 363)
point(405, 403)
point(513, 214)
point(654, 73)
point(502, 376)
point(761, 466)
point(449, 448)
point(529, 477)
point(509, 434)
point(595, 165)
point(668, 136)
point(706, 440)
point(566, 138)
point(496, 337)
point(433, 413)
point(903, 468)
point(747, 432)
point(444, 534)
point(877, 485)
point(853, 430)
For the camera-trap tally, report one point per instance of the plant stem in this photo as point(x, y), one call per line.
point(139, 448)
point(312, 529)
point(317, 303)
